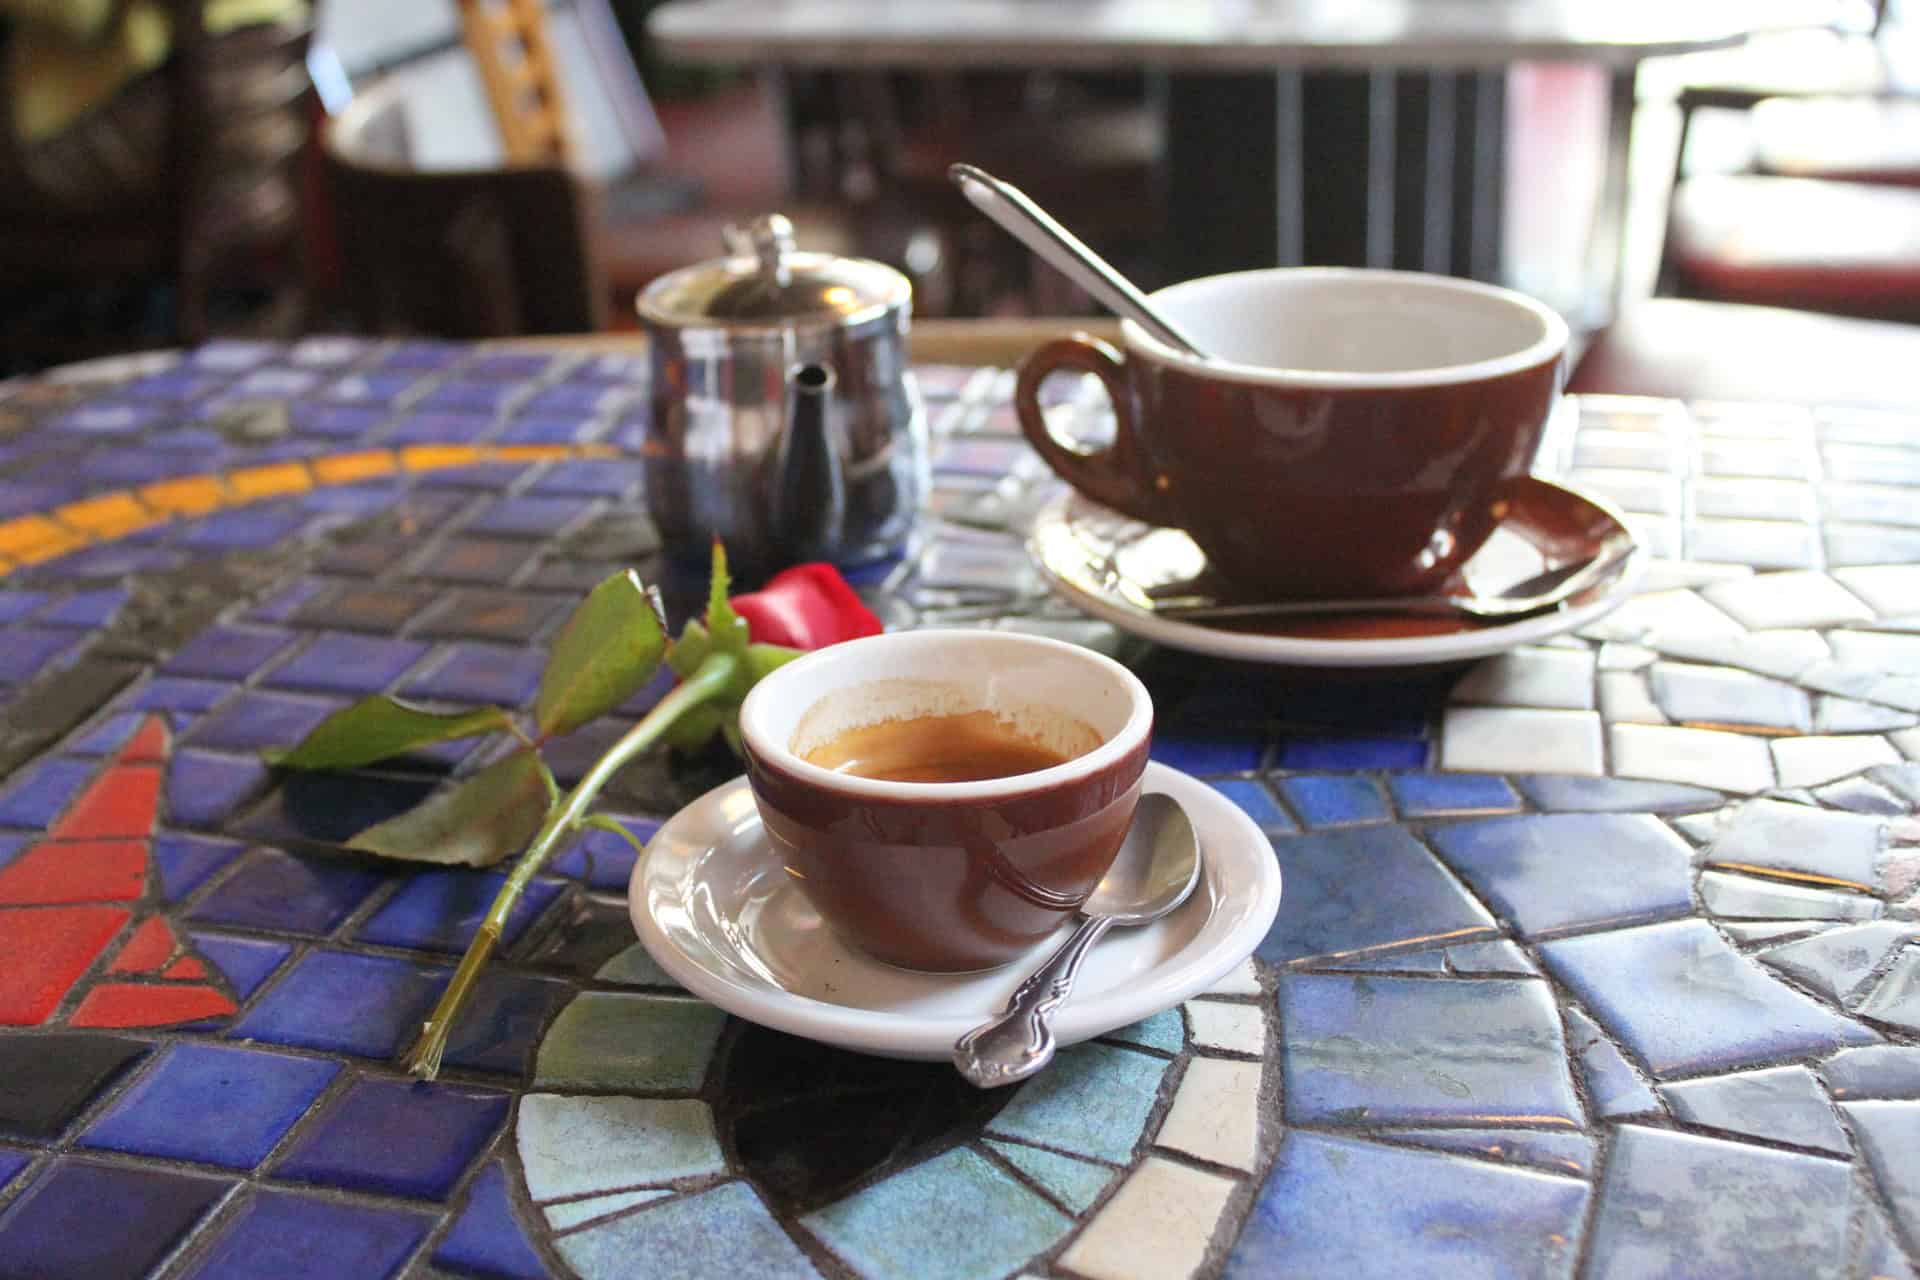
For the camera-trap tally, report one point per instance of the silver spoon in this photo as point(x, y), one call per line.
point(1154, 872)
point(1537, 594)
point(1034, 227)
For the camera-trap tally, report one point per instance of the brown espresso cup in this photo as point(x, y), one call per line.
point(947, 876)
point(1345, 438)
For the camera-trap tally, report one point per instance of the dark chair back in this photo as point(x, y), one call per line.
point(456, 253)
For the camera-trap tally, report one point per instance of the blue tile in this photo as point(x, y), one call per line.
point(1877, 1071)
point(1555, 1150)
point(246, 962)
point(254, 720)
point(11, 1163)
point(1500, 956)
point(1353, 889)
point(1093, 1101)
point(204, 788)
point(1783, 1104)
point(277, 890)
point(84, 1220)
point(1428, 795)
point(1569, 792)
point(26, 651)
point(1334, 801)
point(956, 1216)
point(1337, 1206)
point(86, 609)
point(738, 1237)
point(332, 807)
point(404, 1137)
point(297, 1237)
point(185, 862)
point(1614, 1088)
point(487, 1239)
point(545, 423)
point(1553, 872)
point(1679, 1204)
point(366, 1005)
point(517, 365)
point(1838, 962)
point(1313, 752)
point(336, 663)
point(261, 526)
point(1685, 1002)
point(1889, 1134)
point(171, 1109)
point(1202, 755)
point(1423, 1051)
point(11, 842)
point(610, 866)
point(1072, 1182)
point(528, 517)
point(115, 560)
point(485, 673)
point(1800, 838)
point(371, 386)
point(175, 693)
point(442, 910)
point(41, 792)
point(1257, 802)
point(15, 605)
point(442, 423)
point(227, 653)
point(346, 421)
point(1165, 1031)
point(597, 479)
point(109, 735)
point(504, 1019)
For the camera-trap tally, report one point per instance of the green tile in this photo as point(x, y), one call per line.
point(614, 1040)
point(573, 1146)
point(722, 1234)
point(1075, 1183)
point(1093, 1101)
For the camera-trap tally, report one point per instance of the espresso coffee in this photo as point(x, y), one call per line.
point(969, 746)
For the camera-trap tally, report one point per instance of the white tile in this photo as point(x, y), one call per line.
point(1726, 894)
point(1718, 696)
point(1531, 677)
point(1871, 503)
point(1672, 575)
point(1764, 544)
point(1520, 740)
point(1699, 757)
point(1861, 544)
point(1908, 741)
point(1658, 535)
point(1890, 588)
point(1847, 715)
point(1158, 1224)
point(1239, 1028)
point(1649, 492)
point(1243, 981)
point(1754, 499)
point(1732, 456)
point(1805, 599)
point(1617, 655)
point(1632, 450)
point(1624, 699)
point(1216, 1113)
point(1681, 612)
point(1807, 762)
point(1781, 654)
point(1882, 650)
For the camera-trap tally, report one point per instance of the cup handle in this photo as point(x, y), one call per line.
point(1117, 476)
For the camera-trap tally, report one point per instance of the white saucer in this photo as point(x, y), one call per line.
point(1103, 561)
point(717, 911)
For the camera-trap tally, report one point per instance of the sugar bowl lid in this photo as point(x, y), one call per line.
point(765, 282)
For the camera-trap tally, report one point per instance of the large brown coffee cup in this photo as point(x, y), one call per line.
point(1346, 438)
point(947, 876)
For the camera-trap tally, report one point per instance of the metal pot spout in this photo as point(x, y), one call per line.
point(807, 492)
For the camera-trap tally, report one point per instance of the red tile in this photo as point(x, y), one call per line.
point(82, 871)
point(148, 745)
point(43, 951)
point(127, 1004)
point(121, 802)
point(152, 943)
point(186, 967)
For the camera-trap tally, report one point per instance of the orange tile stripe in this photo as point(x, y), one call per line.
point(30, 539)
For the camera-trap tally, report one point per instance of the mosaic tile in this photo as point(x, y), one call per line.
point(1885, 650)
point(486, 1239)
point(1633, 491)
point(1907, 741)
point(442, 910)
point(1574, 793)
point(257, 1096)
point(1163, 1031)
point(1422, 1213)
point(1648, 617)
point(1847, 715)
point(502, 1022)
point(509, 618)
point(1226, 752)
point(738, 1237)
point(570, 1146)
point(1428, 795)
point(1554, 1150)
point(172, 693)
point(1542, 872)
point(1889, 589)
point(204, 788)
point(277, 890)
point(604, 860)
point(634, 968)
point(1531, 677)
point(1867, 544)
point(1625, 698)
point(1406, 898)
point(1422, 1050)
point(1159, 1221)
point(244, 962)
point(330, 1000)
point(1754, 499)
point(1693, 757)
point(44, 951)
point(300, 1237)
point(1093, 1101)
point(330, 807)
point(1749, 933)
point(1073, 1183)
point(1515, 739)
point(1886, 1131)
point(1726, 1208)
point(528, 517)
point(1792, 600)
point(1837, 963)
point(1235, 1028)
point(1333, 800)
point(27, 651)
point(614, 1040)
point(1686, 1002)
point(481, 673)
point(1794, 837)
point(1809, 761)
point(1896, 1000)
point(574, 1213)
point(473, 560)
point(336, 663)
point(254, 720)
point(1754, 898)
point(1306, 752)
point(11, 1163)
point(1783, 1104)
point(47, 1080)
point(1723, 696)
point(15, 605)
point(84, 1220)
point(1875, 1071)
point(185, 862)
point(1257, 803)
point(1215, 1113)
point(1244, 980)
point(1501, 957)
point(85, 609)
point(403, 1137)
point(1879, 1254)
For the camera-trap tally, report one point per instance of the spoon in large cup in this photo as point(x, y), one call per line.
point(1155, 871)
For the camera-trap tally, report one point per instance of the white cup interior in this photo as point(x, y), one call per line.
point(1352, 327)
point(1048, 691)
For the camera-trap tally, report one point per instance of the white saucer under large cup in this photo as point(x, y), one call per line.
point(716, 910)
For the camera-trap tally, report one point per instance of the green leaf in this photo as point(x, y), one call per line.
point(377, 727)
point(696, 726)
point(690, 650)
point(491, 815)
point(725, 628)
point(609, 648)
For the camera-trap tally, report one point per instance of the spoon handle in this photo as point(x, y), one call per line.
point(1020, 1041)
point(1034, 227)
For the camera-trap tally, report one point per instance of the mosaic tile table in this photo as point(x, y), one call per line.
point(1596, 959)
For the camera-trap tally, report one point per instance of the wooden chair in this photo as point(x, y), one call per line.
point(236, 128)
point(451, 253)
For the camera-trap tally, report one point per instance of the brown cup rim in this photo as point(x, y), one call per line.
point(760, 744)
point(1550, 346)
